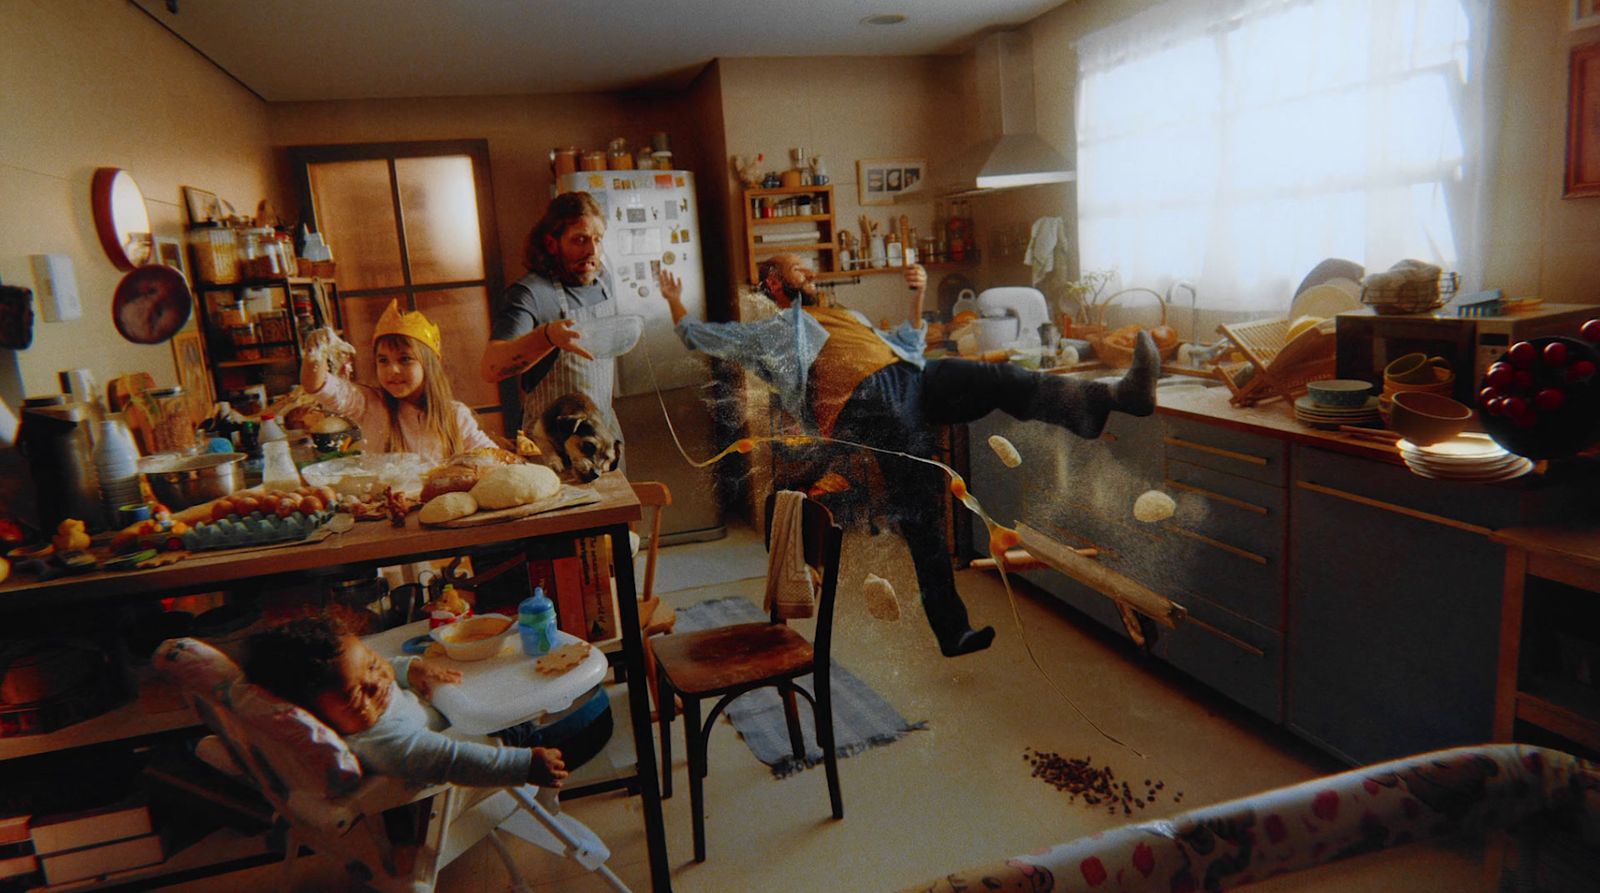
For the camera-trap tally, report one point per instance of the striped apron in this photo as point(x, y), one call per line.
point(596, 378)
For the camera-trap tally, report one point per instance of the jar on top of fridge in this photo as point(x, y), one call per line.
point(216, 252)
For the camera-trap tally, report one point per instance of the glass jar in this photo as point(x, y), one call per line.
point(216, 253)
point(245, 341)
point(262, 259)
point(173, 424)
point(618, 158)
point(593, 160)
point(564, 160)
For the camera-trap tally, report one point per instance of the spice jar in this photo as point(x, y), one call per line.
point(216, 253)
point(564, 161)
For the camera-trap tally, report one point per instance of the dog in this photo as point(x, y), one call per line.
point(574, 436)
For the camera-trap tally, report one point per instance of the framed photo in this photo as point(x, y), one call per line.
point(169, 251)
point(879, 181)
point(1583, 123)
point(1585, 14)
point(202, 205)
point(189, 358)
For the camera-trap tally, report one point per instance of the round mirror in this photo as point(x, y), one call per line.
point(121, 218)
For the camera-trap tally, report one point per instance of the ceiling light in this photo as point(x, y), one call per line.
point(884, 18)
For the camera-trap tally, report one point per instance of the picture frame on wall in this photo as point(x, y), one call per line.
point(1585, 14)
point(189, 359)
point(879, 181)
point(202, 205)
point(169, 251)
point(1583, 123)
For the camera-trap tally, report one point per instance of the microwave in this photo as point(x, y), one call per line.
point(1368, 341)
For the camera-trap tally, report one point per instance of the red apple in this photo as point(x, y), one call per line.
point(1590, 330)
point(1580, 369)
point(1522, 379)
point(1550, 399)
point(1486, 395)
point(1515, 407)
point(1500, 375)
point(1522, 354)
point(1497, 406)
point(1555, 354)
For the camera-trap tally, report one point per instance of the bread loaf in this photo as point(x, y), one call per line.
point(448, 507)
point(513, 485)
point(451, 479)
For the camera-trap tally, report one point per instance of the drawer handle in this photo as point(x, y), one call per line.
point(1209, 494)
point(1391, 507)
point(1233, 640)
point(1216, 451)
point(1234, 550)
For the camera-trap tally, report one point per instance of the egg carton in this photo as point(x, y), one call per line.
point(255, 529)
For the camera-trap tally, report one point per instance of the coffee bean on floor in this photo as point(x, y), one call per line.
point(1097, 785)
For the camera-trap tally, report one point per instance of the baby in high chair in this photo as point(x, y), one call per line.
point(375, 705)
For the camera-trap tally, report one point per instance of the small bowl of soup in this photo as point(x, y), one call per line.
point(475, 638)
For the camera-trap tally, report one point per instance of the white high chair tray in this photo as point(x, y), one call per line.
point(503, 690)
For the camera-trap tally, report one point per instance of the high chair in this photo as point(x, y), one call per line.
point(318, 793)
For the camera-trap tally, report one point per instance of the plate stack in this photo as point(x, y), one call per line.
point(1321, 415)
point(1465, 457)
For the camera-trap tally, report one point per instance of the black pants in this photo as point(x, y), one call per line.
point(896, 409)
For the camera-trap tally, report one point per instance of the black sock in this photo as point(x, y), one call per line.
point(968, 642)
point(1135, 394)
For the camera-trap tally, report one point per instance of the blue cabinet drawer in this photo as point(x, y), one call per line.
point(1483, 505)
point(1245, 582)
point(1238, 511)
point(1240, 659)
point(1213, 446)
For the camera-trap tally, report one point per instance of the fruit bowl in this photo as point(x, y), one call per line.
point(1542, 399)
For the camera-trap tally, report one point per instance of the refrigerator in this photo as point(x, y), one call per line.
point(652, 223)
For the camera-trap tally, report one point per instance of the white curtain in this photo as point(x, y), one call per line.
point(1236, 143)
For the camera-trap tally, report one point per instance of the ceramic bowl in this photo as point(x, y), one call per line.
point(1424, 418)
point(475, 638)
point(1339, 391)
point(1443, 382)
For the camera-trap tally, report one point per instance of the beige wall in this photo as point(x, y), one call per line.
point(86, 84)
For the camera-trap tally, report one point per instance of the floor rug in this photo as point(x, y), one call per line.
point(861, 717)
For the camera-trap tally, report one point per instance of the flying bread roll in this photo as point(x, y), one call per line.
point(1005, 450)
point(448, 507)
point(509, 486)
point(878, 593)
point(1152, 506)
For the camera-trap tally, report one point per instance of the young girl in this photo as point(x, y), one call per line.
point(412, 409)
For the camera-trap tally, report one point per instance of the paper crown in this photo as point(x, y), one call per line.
point(413, 323)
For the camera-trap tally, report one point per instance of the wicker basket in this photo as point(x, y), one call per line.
point(1110, 352)
point(1410, 297)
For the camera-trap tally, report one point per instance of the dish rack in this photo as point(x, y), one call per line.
point(1278, 366)
point(1410, 297)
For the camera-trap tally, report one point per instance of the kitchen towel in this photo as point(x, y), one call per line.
point(790, 585)
point(1047, 247)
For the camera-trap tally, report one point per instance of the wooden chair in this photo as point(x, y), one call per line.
point(725, 662)
point(655, 616)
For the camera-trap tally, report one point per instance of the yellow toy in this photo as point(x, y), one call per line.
point(70, 536)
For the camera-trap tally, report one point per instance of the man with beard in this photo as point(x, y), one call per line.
point(844, 379)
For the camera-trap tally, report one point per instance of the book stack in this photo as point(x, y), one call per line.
point(19, 867)
point(93, 843)
point(576, 576)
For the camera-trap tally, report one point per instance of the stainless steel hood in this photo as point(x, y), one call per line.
point(1013, 154)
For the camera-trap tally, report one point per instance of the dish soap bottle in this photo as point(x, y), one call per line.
point(536, 621)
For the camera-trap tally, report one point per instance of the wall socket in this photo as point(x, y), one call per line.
point(57, 287)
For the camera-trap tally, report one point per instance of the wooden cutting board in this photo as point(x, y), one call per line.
point(567, 498)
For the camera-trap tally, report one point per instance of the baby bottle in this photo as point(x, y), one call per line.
point(536, 621)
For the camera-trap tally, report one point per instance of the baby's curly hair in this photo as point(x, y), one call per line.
point(297, 660)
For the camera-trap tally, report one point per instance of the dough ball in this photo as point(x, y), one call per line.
point(1003, 448)
point(879, 596)
point(448, 507)
point(512, 485)
point(1153, 505)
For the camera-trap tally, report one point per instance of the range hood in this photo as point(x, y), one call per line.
point(1013, 154)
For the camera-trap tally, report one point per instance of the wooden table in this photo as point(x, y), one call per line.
point(368, 545)
point(1567, 554)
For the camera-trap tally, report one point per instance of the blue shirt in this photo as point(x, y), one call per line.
point(781, 349)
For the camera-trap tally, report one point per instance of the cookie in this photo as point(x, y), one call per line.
point(562, 659)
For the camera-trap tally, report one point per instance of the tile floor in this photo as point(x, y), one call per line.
point(960, 792)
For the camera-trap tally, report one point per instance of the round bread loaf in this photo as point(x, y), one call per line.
point(512, 485)
point(448, 507)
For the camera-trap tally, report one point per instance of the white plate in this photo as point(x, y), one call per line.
point(1456, 461)
point(1478, 446)
point(1517, 470)
point(1487, 466)
point(1323, 302)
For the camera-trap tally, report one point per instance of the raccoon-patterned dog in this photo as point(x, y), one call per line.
point(574, 436)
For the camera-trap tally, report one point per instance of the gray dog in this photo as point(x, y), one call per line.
point(573, 435)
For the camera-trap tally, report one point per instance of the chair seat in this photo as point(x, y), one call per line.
point(731, 656)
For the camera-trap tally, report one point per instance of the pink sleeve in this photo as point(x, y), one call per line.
point(345, 397)
point(472, 434)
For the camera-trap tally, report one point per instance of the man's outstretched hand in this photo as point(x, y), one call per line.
point(672, 292)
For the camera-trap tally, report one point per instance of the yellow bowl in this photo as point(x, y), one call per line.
point(475, 638)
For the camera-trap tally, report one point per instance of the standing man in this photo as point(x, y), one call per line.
point(845, 379)
point(533, 333)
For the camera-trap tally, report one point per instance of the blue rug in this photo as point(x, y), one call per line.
point(861, 717)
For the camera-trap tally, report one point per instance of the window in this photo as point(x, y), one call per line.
point(1237, 143)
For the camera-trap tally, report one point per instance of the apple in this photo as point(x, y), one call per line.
point(1522, 354)
point(1500, 375)
point(1522, 379)
point(1590, 330)
point(1580, 369)
point(1550, 399)
point(1487, 395)
point(1496, 406)
point(1515, 407)
point(1555, 354)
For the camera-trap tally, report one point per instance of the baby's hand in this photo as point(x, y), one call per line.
point(564, 336)
point(423, 676)
point(547, 768)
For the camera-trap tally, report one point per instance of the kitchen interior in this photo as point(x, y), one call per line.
point(1323, 588)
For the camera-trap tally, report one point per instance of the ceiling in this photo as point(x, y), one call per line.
point(291, 50)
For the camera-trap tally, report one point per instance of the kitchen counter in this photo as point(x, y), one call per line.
point(1273, 419)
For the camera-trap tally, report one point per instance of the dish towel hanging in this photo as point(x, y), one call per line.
point(1047, 247)
point(789, 582)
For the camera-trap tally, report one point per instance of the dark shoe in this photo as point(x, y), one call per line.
point(1135, 393)
point(968, 642)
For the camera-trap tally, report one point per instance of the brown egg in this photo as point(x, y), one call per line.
point(287, 507)
point(244, 505)
point(310, 505)
point(220, 509)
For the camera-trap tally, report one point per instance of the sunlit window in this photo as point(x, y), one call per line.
point(1236, 143)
